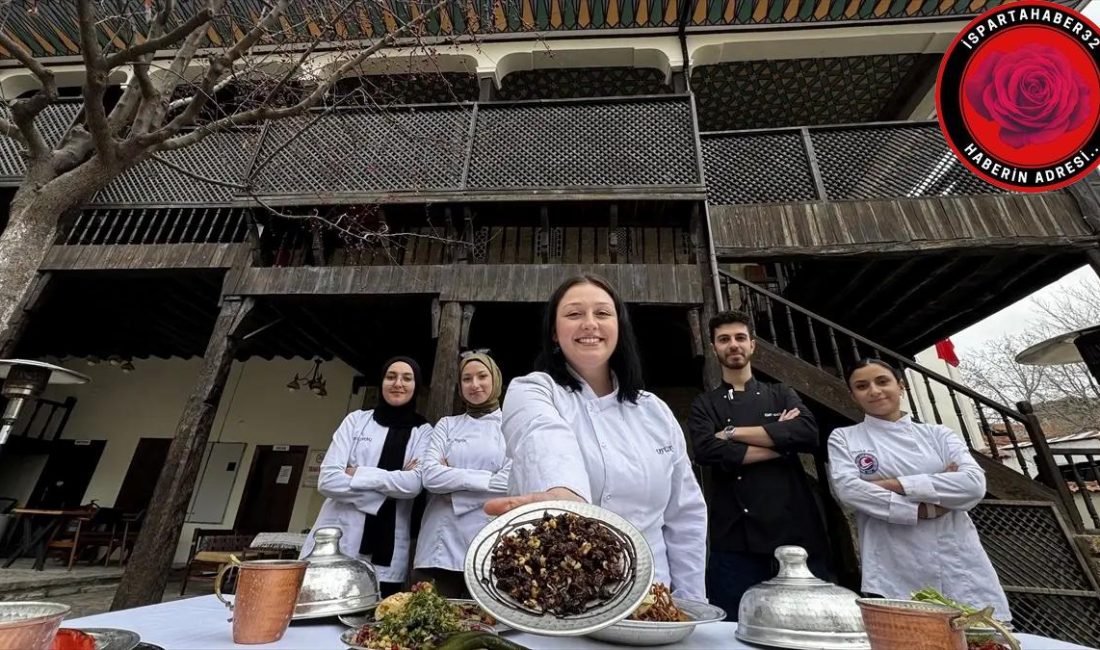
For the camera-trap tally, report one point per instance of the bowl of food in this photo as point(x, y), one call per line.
point(660, 620)
point(421, 619)
point(559, 568)
point(465, 609)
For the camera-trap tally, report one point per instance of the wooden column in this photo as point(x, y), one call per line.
point(147, 572)
point(34, 299)
point(712, 372)
point(445, 367)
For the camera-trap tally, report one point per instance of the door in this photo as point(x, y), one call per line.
point(141, 478)
point(271, 488)
point(67, 474)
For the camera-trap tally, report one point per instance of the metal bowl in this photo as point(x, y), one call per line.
point(479, 573)
point(334, 583)
point(348, 636)
point(798, 611)
point(649, 633)
point(30, 625)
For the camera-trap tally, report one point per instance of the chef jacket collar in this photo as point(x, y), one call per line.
point(902, 424)
point(749, 385)
point(590, 395)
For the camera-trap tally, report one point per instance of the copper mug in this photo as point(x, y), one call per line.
point(267, 591)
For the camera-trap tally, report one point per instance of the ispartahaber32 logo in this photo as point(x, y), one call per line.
point(1018, 96)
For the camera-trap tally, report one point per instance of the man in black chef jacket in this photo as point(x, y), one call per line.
point(749, 433)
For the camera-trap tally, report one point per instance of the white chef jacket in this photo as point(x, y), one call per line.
point(478, 471)
point(358, 441)
point(899, 552)
point(628, 458)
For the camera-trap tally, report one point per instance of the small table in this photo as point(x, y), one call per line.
point(279, 544)
point(54, 519)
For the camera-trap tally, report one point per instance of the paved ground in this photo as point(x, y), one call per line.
point(87, 589)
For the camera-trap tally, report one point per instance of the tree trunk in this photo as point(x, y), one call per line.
point(146, 574)
point(35, 212)
point(23, 245)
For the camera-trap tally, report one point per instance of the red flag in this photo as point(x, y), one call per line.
point(945, 350)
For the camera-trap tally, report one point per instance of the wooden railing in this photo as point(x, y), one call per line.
point(1083, 467)
point(488, 245)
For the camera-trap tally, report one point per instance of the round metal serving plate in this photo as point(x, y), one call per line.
point(348, 636)
point(650, 633)
point(479, 572)
point(112, 639)
point(799, 640)
point(366, 618)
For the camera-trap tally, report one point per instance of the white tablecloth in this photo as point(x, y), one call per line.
point(201, 624)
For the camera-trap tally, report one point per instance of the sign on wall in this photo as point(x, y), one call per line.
point(313, 467)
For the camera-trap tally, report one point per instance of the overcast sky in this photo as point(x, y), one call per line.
point(1016, 317)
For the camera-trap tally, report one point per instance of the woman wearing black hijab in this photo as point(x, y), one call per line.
point(371, 476)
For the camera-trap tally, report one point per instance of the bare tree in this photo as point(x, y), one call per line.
point(1066, 397)
point(168, 106)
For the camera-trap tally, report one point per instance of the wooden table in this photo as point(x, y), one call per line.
point(54, 519)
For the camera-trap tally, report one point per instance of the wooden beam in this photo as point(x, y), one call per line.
point(146, 574)
point(806, 378)
point(24, 313)
point(901, 249)
point(946, 268)
point(870, 296)
point(332, 343)
point(445, 367)
point(966, 316)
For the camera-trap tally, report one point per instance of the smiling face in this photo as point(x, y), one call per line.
point(477, 382)
point(733, 346)
point(877, 391)
point(586, 327)
point(398, 384)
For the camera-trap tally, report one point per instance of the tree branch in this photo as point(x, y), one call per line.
point(95, 80)
point(214, 74)
point(23, 111)
point(12, 131)
point(151, 45)
point(199, 177)
point(265, 112)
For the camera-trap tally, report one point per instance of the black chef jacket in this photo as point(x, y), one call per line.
point(757, 507)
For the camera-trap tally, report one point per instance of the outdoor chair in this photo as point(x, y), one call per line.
point(210, 549)
point(95, 528)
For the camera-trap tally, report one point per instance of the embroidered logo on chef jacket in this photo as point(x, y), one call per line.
point(661, 451)
point(867, 463)
point(363, 438)
point(456, 441)
point(773, 415)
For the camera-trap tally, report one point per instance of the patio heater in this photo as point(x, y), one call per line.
point(25, 380)
point(1078, 346)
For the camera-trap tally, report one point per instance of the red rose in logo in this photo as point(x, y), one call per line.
point(1033, 93)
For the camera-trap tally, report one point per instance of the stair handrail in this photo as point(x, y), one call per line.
point(947, 381)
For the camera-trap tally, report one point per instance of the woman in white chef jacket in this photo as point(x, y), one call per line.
point(911, 485)
point(465, 465)
point(371, 476)
point(581, 428)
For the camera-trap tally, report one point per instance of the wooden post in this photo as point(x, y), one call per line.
point(34, 299)
point(467, 320)
point(712, 373)
point(147, 572)
point(445, 368)
point(1047, 467)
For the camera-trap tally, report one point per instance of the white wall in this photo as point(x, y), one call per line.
point(256, 409)
point(944, 406)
